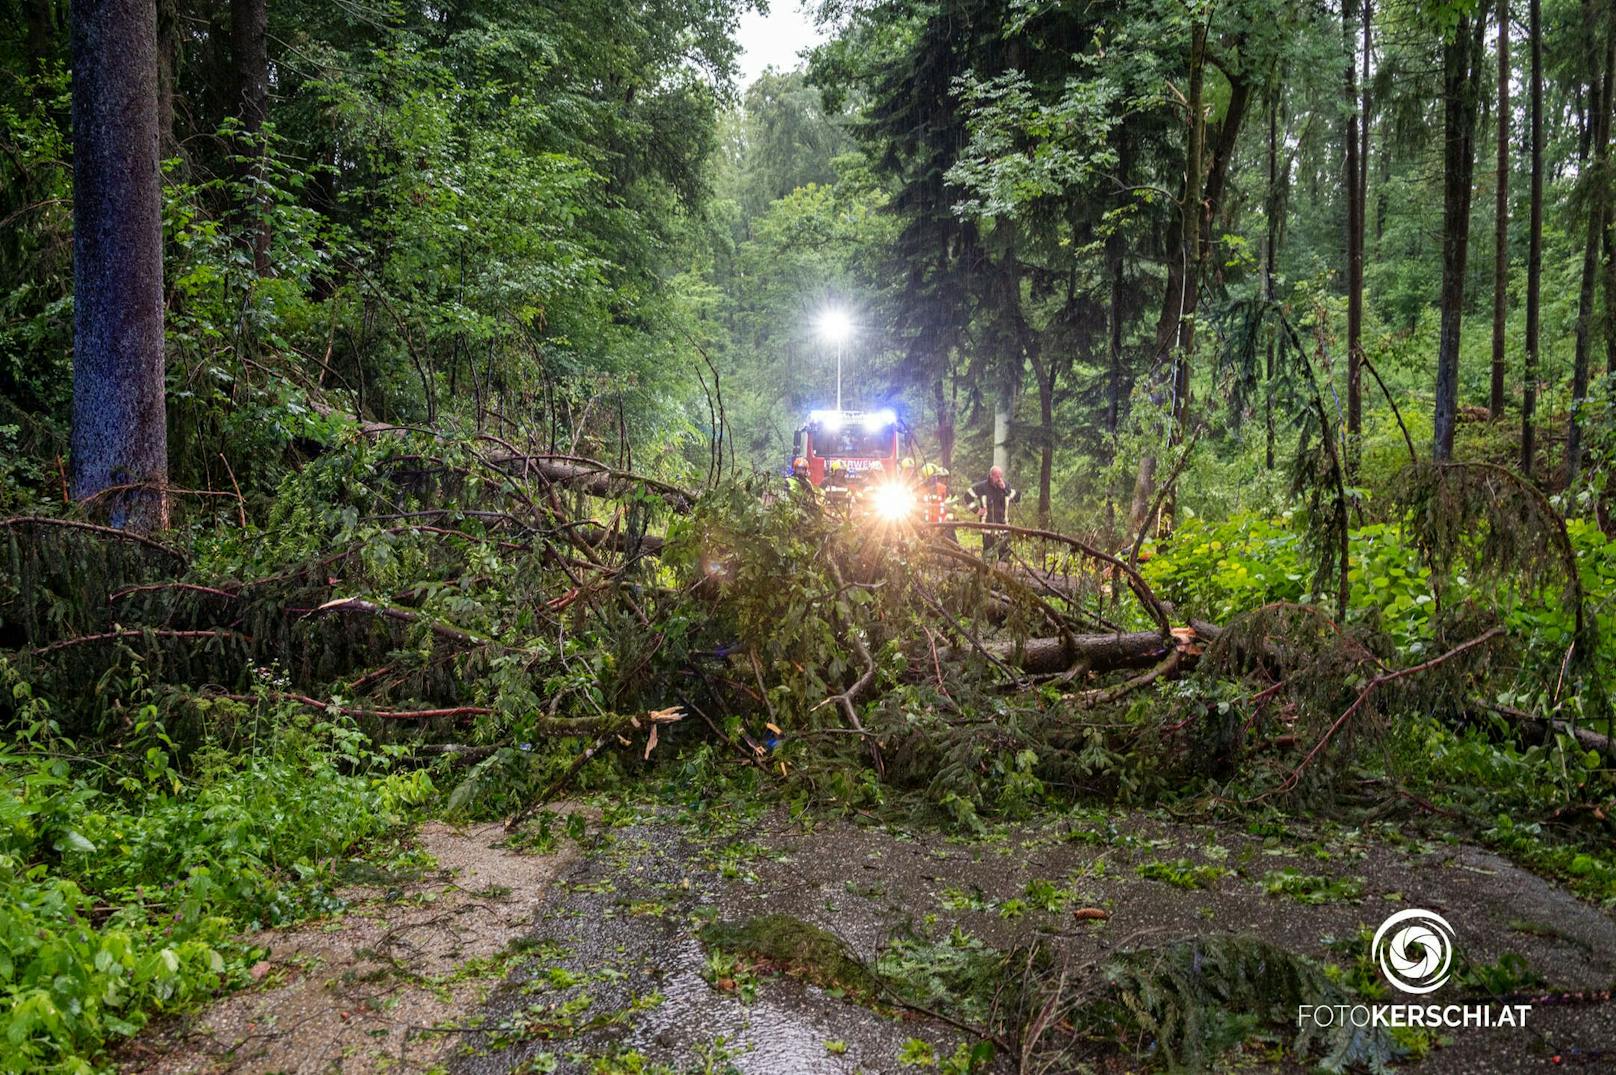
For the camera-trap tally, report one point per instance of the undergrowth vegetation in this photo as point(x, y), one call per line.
point(129, 877)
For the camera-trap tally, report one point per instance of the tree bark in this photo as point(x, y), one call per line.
point(1174, 336)
point(1501, 210)
point(119, 435)
point(945, 424)
point(1044, 374)
point(1355, 239)
point(39, 33)
point(249, 52)
point(1534, 255)
point(168, 62)
point(1175, 329)
point(1099, 653)
point(1113, 404)
point(1610, 283)
point(1191, 219)
point(1144, 493)
point(1364, 114)
point(1598, 199)
point(1460, 66)
point(1115, 249)
point(1273, 209)
point(1003, 407)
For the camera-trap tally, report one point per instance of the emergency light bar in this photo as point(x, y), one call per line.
point(873, 421)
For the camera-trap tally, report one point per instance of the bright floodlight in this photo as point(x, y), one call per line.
point(836, 326)
point(893, 501)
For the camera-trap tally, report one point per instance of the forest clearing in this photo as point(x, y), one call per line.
point(868, 536)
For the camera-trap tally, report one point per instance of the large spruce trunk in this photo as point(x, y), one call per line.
point(1495, 404)
point(1460, 64)
point(1596, 161)
point(1534, 256)
point(119, 439)
point(249, 53)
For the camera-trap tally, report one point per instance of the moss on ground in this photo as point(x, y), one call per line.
point(798, 949)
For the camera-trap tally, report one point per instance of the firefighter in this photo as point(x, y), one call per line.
point(837, 489)
point(992, 497)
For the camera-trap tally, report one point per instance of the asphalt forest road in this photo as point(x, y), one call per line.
point(585, 958)
point(620, 929)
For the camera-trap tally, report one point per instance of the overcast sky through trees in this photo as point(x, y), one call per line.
point(775, 38)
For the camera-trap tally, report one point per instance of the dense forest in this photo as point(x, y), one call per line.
point(411, 515)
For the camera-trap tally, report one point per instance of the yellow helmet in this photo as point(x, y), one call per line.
point(906, 463)
point(837, 465)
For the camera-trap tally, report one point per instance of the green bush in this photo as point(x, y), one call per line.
point(122, 896)
point(1218, 570)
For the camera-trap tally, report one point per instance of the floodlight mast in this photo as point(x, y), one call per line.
point(836, 326)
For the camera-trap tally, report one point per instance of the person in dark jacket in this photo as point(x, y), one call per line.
point(992, 497)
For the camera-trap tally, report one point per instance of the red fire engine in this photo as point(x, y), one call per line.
point(853, 457)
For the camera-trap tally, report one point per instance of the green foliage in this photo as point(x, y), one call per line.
point(1312, 888)
point(1183, 873)
point(1199, 997)
point(124, 889)
point(957, 972)
point(1220, 569)
point(1495, 780)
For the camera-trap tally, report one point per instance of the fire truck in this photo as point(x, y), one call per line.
point(853, 458)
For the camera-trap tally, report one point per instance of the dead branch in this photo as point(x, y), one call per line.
point(1116, 692)
point(1373, 685)
point(1589, 740)
point(1141, 589)
point(654, 718)
point(151, 632)
point(192, 587)
point(1000, 574)
point(845, 699)
point(590, 475)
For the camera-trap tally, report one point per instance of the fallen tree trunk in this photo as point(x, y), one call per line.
point(1531, 722)
point(572, 471)
point(1098, 653)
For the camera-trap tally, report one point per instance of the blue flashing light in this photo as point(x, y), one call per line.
point(876, 421)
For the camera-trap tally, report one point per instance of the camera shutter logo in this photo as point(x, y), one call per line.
point(1415, 950)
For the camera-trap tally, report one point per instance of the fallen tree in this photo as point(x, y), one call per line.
point(472, 591)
